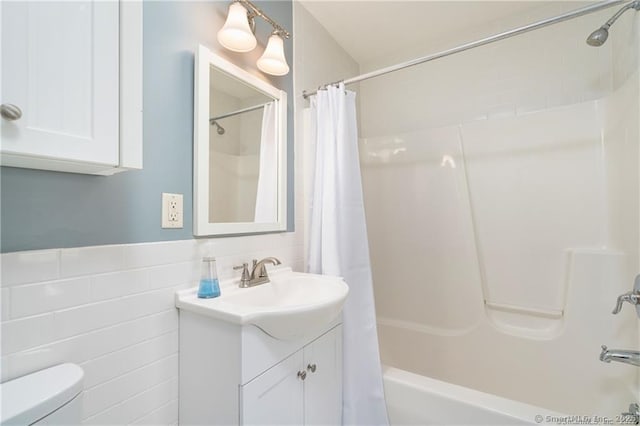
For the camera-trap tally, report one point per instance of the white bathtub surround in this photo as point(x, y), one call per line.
point(520, 226)
point(516, 260)
point(111, 310)
point(338, 246)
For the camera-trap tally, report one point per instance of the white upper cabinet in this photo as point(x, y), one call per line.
point(72, 86)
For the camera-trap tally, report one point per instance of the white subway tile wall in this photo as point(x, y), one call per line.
point(111, 310)
point(29, 267)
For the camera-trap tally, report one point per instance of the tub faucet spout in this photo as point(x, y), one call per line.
point(620, 355)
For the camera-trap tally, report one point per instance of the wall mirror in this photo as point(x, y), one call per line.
point(239, 150)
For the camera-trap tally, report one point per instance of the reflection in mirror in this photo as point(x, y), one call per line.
point(239, 150)
point(242, 154)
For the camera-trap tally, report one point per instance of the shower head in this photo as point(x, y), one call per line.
point(220, 129)
point(599, 36)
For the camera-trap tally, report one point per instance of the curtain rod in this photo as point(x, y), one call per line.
point(487, 40)
point(240, 111)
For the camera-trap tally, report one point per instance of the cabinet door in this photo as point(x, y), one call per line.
point(323, 387)
point(60, 66)
point(276, 396)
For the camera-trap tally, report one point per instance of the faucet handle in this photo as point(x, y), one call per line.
point(244, 267)
point(632, 297)
point(246, 276)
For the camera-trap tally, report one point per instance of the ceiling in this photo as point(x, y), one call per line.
point(375, 32)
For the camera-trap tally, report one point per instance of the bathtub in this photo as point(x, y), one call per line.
point(418, 400)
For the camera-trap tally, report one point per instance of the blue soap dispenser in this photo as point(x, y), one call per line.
point(209, 285)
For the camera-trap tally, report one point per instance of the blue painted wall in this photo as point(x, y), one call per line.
point(41, 209)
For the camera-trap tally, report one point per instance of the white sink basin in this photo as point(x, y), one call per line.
point(292, 305)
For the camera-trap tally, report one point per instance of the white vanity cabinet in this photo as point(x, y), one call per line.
point(239, 375)
point(276, 397)
point(323, 387)
point(72, 85)
point(304, 389)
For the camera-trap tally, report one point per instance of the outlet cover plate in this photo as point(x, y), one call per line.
point(172, 210)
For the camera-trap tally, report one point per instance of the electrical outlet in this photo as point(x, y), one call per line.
point(172, 210)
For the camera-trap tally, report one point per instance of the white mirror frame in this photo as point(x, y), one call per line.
point(204, 59)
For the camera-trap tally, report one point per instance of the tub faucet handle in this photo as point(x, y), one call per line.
point(632, 297)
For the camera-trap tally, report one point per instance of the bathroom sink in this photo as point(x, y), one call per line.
point(292, 305)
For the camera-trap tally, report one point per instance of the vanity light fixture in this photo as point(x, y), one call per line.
point(237, 32)
point(272, 60)
point(237, 35)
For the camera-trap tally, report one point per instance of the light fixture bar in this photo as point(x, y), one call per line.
point(279, 29)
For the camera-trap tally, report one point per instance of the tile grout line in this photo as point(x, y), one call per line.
point(133, 396)
point(158, 361)
point(142, 342)
point(171, 401)
point(75, 336)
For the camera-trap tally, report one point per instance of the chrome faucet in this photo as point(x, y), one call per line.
point(258, 274)
point(632, 297)
point(619, 355)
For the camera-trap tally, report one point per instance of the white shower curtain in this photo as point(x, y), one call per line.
point(338, 245)
point(266, 196)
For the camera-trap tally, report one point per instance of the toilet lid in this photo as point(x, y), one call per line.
point(28, 399)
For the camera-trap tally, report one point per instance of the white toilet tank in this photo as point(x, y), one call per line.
point(47, 397)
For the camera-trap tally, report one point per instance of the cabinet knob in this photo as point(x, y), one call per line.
point(10, 112)
point(312, 368)
point(302, 375)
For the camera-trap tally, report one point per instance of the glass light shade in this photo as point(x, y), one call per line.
point(272, 60)
point(236, 34)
